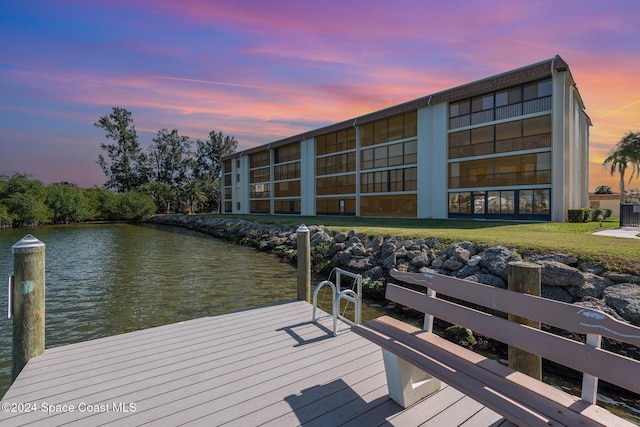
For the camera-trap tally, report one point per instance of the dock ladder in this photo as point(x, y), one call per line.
point(350, 295)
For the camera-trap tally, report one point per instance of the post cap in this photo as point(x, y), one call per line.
point(302, 229)
point(27, 242)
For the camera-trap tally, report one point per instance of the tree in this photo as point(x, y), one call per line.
point(603, 189)
point(194, 192)
point(626, 154)
point(208, 162)
point(96, 202)
point(66, 203)
point(162, 193)
point(24, 199)
point(125, 168)
point(169, 157)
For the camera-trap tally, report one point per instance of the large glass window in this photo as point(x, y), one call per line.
point(260, 175)
point(288, 171)
point(390, 180)
point(395, 205)
point(339, 163)
point(336, 141)
point(389, 155)
point(515, 135)
point(336, 206)
point(506, 103)
point(260, 191)
point(287, 153)
point(259, 159)
point(501, 171)
point(340, 184)
point(389, 129)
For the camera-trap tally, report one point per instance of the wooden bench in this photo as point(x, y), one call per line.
point(416, 360)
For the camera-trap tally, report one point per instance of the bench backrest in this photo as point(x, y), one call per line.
point(587, 358)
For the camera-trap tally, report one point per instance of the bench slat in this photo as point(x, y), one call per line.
point(611, 367)
point(550, 312)
point(496, 386)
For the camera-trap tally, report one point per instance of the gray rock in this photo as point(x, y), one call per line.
point(461, 254)
point(452, 264)
point(420, 260)
point(412, 254)
point(358, 249)
point(437, 263)
point(555, 273)
point(562, 258)
point(388, 248)
point(375, 244)
point(357, 264)
point(624, 298)
point(473, 261)
point(592, 268)
point(354, 240)
point(333, 250)
point(341, 258)
point(468, 270)
point(496, 259)
point(401, 252)
point(616, 277)
point(402, 265)
point(432, 242)
point(469, 247)
point(592, 286)
point(376, 273)
point(389, 262)
point(340, 237)
point(557, 293)
point(320, 237)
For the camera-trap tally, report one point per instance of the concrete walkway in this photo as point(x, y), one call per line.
point(626, 232)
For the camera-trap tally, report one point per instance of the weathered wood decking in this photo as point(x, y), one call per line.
point(267, 366)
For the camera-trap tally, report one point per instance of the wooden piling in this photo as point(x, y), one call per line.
point(304, 264)
point(28, 302)
point(525, 277)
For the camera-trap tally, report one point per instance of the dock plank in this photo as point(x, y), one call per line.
point(265, 366)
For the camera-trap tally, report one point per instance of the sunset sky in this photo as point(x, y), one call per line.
point(265, 70)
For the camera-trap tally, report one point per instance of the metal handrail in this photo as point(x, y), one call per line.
point(338, 294)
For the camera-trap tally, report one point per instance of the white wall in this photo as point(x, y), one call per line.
point(432, 161)
point(307, 177)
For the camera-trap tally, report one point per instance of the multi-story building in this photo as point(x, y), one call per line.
point(511, 146)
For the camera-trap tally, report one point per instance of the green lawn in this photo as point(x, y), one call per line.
point(575, 239)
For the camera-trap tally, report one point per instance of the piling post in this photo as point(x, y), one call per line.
point(304, 263)
point(525, 277)
point(27, 302)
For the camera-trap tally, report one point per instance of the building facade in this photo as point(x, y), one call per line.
point(513, 146)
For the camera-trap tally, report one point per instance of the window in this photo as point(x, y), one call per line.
point(259, 159)
point(380, 157)
point(286, 153)
point(503, 104)
point(481, 103)
point(395, 154)
point(460, 203)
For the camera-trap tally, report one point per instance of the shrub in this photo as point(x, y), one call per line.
point(578, 215)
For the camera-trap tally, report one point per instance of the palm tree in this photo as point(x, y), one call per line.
point(194, 191)
point(625, 154)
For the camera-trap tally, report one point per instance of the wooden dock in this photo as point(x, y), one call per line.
point(268, 366)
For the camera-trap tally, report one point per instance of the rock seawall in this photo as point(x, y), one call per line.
point(563, 277)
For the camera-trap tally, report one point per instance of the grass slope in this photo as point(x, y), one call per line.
point(575, 239)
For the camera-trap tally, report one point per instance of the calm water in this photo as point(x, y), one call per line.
point(103, 280)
